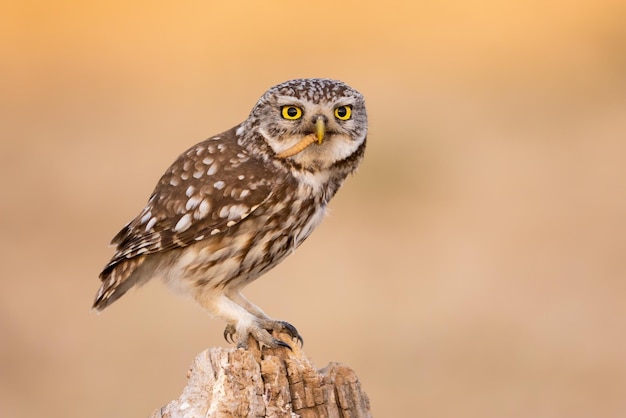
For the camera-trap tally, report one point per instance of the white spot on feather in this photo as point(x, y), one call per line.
point(233, 211)
point(204, 207)
point(183, 223)
point(219, 185)
point(145, 217)
point(212, 170)
point(151, 223)
point(190, 191)
point(208, 160)
point(192, 203)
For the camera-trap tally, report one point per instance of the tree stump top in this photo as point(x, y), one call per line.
point(267, 382)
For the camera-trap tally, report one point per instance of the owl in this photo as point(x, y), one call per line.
point(232, 207)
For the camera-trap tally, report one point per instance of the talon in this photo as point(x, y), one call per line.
point(229, 331)
point(292, 331)
point(280, 343)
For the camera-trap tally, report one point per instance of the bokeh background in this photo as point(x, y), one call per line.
point(474, 267)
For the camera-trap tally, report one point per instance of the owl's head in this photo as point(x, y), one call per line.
point(329, 110)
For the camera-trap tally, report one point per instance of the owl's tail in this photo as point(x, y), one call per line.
point(117, 279)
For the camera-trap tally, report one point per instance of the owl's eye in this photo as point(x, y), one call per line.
point(291, 112)
point(343, 112)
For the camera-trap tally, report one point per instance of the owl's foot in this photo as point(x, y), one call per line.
point(283, 327)
point(261, 333)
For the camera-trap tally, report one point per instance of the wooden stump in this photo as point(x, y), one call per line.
point(266, 383)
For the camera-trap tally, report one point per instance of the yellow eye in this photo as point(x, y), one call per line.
point(291, 112)
point(343, 112)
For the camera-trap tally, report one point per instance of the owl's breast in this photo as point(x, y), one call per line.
point(288, 219)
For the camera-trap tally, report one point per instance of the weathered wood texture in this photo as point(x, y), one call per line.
point(266, 383)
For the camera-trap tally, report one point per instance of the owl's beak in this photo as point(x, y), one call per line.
point(320, 129)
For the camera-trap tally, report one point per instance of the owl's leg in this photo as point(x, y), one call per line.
point(242, 301)
point(241, 323)
point(265, 321)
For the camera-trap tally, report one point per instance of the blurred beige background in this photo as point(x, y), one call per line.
point(474, 267)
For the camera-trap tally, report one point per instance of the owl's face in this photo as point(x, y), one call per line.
point(330, 110)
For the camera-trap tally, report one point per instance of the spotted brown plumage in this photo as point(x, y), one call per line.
point(233, 206)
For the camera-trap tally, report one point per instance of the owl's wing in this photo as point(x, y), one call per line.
point(209, 189)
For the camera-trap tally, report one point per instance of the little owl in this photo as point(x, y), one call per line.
point(235, 205)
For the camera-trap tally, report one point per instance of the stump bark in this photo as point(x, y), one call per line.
point(266, 383)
